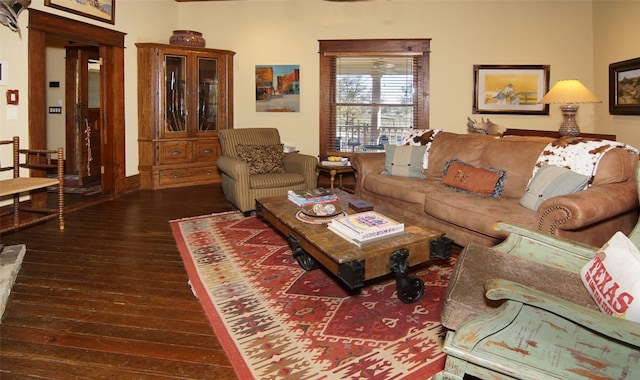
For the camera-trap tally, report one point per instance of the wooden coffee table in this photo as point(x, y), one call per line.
point(314, 245)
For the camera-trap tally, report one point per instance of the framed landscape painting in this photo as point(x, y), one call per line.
point(514, 89)
point(103, 10)
point(624, 87)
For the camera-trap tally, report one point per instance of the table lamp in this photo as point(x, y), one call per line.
point(569, 93)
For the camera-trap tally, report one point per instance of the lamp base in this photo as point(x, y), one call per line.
point(569, 127)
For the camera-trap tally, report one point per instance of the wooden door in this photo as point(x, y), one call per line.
point(83, 127)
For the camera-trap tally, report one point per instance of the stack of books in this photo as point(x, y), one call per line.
point(365, 227)
point(312, 196)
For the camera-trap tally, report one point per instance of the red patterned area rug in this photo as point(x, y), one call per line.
point(275, 320)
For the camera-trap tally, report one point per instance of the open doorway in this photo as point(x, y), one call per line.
point(105, 159)
point(73, 115)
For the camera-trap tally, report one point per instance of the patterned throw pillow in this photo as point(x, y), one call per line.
point(612, 278)
point(418, 137)
point(464, 177)
point(551, 181)
point(404, 161)
point(262, 159)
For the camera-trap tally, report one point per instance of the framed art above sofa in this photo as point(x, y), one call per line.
point(624, 87)
point(510, 89)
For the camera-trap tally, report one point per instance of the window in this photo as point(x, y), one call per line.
point(371, 92)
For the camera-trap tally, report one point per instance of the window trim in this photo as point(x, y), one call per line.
point(329, 49)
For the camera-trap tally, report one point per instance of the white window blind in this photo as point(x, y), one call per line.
point(374, 100)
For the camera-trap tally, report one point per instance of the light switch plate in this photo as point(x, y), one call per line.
point(12, 113)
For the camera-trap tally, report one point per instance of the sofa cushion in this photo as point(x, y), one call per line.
point(411, 190)
point(611, 277)
point(462, 176)
point(447, 145)
point(618, 165)
point(404, 161)
point(262, 158)
point(516, 155)
point(551, 181)
point(475, 213)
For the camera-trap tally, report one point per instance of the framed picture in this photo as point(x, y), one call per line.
point(624, 87)
point(277, 88)
point(512, 89)
point(103, 10)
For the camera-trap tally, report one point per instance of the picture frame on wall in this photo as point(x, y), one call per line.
point(102, 10)
point(510, 89)
point(277, 88)
point(624, 87)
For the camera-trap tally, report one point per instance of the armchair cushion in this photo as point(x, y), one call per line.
point(611, 277)
point(477, 264)
point(262, 159)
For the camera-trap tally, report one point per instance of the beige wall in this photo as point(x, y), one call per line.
point(463, 33)
point(616, 39)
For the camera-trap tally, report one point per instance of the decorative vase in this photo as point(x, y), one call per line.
point(187, 38)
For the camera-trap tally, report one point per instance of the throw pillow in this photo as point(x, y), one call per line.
point(612, 278)
point(404, 161)
point(262, 159)
point(464, 177)
point(551, 181)
point(417, 137)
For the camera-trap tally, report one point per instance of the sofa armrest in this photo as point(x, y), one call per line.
point(303, 164)
point(365, 164)
point(587, 207)
point(613, 327)
point(234, 168)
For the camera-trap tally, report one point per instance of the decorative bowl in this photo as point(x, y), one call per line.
point(187, 38)
point(325, 212)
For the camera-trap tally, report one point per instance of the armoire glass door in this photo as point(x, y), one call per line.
point(175, 98)
point(207, 94)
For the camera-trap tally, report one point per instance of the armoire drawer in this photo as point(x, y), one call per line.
point(206, 150)
point(175, 152)
point(180, 176)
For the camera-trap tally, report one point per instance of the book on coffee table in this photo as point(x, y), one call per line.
point(365, 243)
point(365, 227)
point(312, 196)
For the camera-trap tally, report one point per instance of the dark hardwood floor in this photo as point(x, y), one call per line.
point(108, 296)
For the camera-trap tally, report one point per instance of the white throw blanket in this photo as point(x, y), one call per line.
point(577, 154)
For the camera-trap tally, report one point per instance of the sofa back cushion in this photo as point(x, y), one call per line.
point(516, 155)
point(447, 146)
point(617, 165)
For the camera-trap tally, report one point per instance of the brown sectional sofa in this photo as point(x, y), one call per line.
point(591, 216)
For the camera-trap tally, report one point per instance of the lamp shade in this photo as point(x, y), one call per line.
point(569, 91)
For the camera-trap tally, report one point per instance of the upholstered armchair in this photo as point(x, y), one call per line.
point(520, 310)
point(254, 166)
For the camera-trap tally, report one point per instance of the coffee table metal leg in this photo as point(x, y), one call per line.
point(306, 261)
point(409, 288)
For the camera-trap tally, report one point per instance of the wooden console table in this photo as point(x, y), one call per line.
point(554, 134)
point(41, 159)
